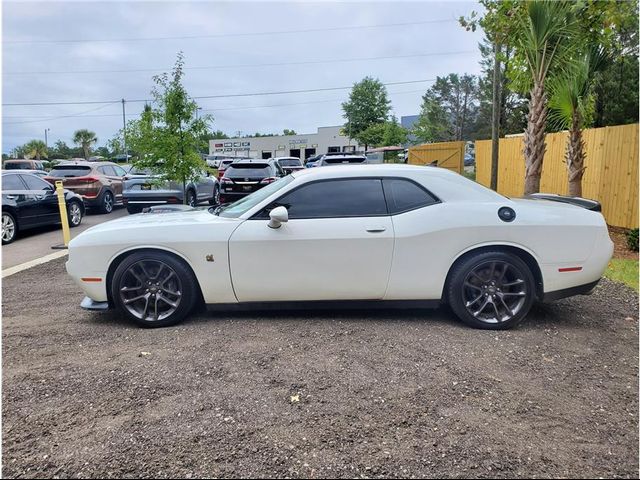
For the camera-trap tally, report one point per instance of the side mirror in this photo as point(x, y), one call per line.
point(278, 216)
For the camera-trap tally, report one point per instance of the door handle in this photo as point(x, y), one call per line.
point(377, 229)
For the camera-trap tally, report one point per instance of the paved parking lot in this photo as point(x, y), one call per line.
point(316, 394)
point(37, 242)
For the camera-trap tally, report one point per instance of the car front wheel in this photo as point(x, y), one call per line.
point(9, 228)
point(154, 289)
point(74, 211)
point(491, 290)
point(191, 198)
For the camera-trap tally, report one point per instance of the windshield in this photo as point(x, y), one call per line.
point(235, 209)
point(69, 171)
point(289, 162)
point(247, 170)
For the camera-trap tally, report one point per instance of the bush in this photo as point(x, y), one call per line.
point(632, 239)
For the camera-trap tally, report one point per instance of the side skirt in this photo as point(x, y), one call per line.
point(585, 289)
point(325, 305)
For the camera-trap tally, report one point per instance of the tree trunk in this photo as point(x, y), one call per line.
point(534, 146)
point(575, 156)
point(86, 151)
point(495, 117)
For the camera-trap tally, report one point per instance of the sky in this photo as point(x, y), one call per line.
point(72, 52)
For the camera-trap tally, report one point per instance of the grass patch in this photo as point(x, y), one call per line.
point(623, 270)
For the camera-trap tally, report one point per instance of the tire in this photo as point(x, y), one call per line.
point(154, 279)
point(481, 279)
point(9, 228)
point(192, 200)
point(106, 202)
point(216, 196)
point(133, 210)
point(74, 212)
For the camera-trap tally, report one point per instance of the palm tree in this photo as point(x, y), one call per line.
point(35, 149)
point(85, 138)
point(569, 103)
point(544, 42)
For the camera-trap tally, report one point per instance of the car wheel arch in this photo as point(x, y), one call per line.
point(119, 258)
point(521, 252)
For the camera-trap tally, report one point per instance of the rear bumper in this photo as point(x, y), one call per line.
point(142, 201)
point(585, 289)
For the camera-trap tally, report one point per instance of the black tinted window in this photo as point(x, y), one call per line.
point(403, 195)
point(17, 166)
point(336, 198)
point(35, 183)
point(11, 182)
point(248, 170)
point(69, 171)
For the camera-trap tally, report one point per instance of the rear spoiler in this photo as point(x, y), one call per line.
point(577, 201)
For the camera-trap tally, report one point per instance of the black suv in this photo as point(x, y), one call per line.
point(243, 177)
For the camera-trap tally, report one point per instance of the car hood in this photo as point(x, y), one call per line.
point(145, 225)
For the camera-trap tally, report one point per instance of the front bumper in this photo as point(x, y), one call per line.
point(90, 304)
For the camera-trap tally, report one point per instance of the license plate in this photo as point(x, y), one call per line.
point(145, 186)
point(246, 188)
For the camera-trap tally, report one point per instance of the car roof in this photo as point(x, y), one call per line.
point(84, 163)
point(385, 169)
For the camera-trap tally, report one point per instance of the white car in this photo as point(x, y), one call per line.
point(381, 233)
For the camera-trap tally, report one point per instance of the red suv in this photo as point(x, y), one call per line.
point(99, 183)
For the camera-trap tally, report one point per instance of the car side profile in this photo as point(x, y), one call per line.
point(383, 234)
point(28, 201)
point(142, 189)
point(99, 183)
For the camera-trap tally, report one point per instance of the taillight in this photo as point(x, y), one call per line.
point(268, 180)
point(226, 180)
point(88, 180)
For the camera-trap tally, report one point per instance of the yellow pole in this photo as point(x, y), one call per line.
point(64, 219)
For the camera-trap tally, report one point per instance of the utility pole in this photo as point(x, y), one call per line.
point(124, 133)
point(197, 108)
point(495, 118)
point(46, 140)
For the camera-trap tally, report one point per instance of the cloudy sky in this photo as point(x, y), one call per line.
point(83, 52)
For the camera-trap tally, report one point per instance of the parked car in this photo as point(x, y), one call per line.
point(23, 164)
point(143, 189)
point(246, 176)
point(312, 161)
point(99, 183)
point(289, 164)
point(224, 164)
point(28, 201)
point(469, 160)
point(38, 173)
point(340, 159)
point(378, 233)
point(215, 160)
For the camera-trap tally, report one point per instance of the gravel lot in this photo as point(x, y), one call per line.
point(316, 394)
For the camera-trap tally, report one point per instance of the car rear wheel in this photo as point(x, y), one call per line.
point(191, 198)
point(74, 211)
point(106, 203)
point(154, 289)
point(9, 228)
point(491, 290)
point(216, 196)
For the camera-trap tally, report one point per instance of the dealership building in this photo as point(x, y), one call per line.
point(326, 140)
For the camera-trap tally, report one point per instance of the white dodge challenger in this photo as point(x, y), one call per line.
point(384, 234)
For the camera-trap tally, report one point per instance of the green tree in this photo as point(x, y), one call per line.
point(35, 149)
point(85, 138)
point(368, 105)
point(286, 131)
point(394, 133)
point(372, 136)
point(433, 124)
point(571, 102)
point(60, 150)
point(545, 43)
point(167, 135)
point(449, 109)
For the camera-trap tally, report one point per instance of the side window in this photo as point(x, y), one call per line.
point(404, 195)
point(107, 170)
point(12, 182)
point(120, 172)
point(335, 198)
point(35, 183)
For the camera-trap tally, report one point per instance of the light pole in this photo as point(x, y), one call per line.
point(46, 139)
point(197, 108)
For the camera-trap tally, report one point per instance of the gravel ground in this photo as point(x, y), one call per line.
point(316, 394)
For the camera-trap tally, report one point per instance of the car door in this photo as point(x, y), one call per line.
point(43, 200)
point(204, 187)
point(118, 180)
point(337, 245)
point(14, 192)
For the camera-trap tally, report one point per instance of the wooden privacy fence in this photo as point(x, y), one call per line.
point(449, 155)
point(611, 174)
